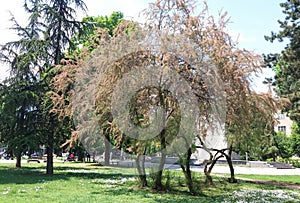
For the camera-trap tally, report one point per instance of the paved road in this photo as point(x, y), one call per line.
point(225, 169)
point(245, 170)
point(241, 170)
point(256, 170)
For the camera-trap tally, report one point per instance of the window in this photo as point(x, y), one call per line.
point(282, 128)
point(281, 116)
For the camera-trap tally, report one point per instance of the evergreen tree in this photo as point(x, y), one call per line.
point(20, 111)
point(58, 18)
point(51, 26)
point(19, 117)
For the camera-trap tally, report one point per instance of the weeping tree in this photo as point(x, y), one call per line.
point(105, 88)
point(158, 87)
point(63, 83)
point(229, 98)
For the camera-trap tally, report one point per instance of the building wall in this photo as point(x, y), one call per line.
point(284, 124)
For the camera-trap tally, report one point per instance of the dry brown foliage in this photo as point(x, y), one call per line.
point(197, 47)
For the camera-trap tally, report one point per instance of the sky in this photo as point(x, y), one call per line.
point(249, 22)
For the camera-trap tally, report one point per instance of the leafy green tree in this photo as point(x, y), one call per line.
point(295, 139)
point(283, 144)
point(287, 64)
point(91, 27)
point(256, 140)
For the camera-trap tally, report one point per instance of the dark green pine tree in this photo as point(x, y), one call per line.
point(287, 64)
point(51, 26)
point(20, 110)
point(19, 118)
point(58, 17)
point(59, 25)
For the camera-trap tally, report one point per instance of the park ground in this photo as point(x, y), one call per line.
point(87, 182)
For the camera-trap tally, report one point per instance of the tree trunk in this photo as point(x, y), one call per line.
point(189, 181)
point(50, 149)
point(158, 178)
point(20, 127)
point(107, 150)
point(18, 162)
point(50, 143)
point(140, 164)
point(230, 164)
point(212, 164)
point(208, 178)
point(185, 166)
point(143, 168)
point(274, 156)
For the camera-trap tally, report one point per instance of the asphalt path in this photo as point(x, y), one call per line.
point(224, 169)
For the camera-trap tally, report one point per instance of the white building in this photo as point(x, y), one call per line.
point(284, 124)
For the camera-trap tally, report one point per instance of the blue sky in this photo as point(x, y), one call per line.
point(249, 21)
point(252, 19)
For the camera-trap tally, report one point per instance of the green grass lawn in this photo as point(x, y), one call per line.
point(278, 178)
point(75, 182)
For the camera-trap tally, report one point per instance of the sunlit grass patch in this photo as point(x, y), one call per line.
point(277, 178)
point(77, 182)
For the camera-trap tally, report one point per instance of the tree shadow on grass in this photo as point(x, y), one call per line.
point(172, 196)
point(120, 186)
point(36, 174)
point(218, 193)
